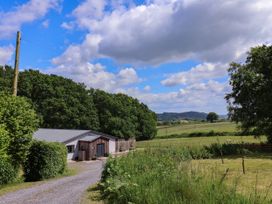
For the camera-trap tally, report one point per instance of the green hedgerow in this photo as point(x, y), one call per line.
point(45, 160)
point(7, 171)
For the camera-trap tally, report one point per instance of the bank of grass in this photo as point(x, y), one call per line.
point(21, 184)
point(197, 141)
point(170, 176)
point(197, 128)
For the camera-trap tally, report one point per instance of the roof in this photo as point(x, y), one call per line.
point(66, 135)
point(89, 138)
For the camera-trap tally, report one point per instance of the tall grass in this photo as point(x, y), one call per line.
point(165, 176)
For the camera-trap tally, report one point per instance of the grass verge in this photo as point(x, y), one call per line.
point(92, 196)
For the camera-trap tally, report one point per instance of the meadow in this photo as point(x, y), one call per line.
point(187, 170)
point(197, 141)
point(172, 176)
point(200, 127)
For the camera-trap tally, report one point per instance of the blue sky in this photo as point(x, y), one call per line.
point(172, 55)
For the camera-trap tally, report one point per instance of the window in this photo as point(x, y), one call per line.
point(71, 148)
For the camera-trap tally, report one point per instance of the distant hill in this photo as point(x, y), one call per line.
point(191, 115)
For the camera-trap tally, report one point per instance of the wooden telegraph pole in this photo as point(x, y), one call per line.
point(16, 65)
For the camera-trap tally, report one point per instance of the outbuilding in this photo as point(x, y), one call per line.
point(84, 144)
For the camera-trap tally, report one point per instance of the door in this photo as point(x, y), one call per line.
point(100, 150)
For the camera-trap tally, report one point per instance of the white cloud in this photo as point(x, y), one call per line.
point(205, 71)
point(46, 23)
point(174, 30)
point(206, 97)
point(96, 76)
point(147, 88)
point(6, 53)
point(12, 21)
point(68, 25)
point(214, 32)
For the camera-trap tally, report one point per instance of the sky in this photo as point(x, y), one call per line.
point(172, 55)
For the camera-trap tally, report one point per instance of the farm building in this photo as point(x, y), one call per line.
point(85, 144)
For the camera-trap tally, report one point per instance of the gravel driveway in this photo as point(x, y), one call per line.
point(68, 190)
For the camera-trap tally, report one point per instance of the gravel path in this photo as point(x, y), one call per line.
point(68, 190)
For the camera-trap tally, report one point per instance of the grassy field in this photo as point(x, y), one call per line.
point(156, 176)
point(197, 127)
point(257, 177)
point(197, 141)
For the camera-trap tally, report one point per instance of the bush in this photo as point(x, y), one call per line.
point(4, 142)
point(45, 160)
point(226, 149)
point(20, 122)
point(7, 172)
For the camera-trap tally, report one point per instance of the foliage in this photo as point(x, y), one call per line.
point(4, 142)
point(155, 176)
point(7, 171)
point(45, 160)
point(63, 103)
point(124, 116)
point(250, 101)
point(204, 134)
point(20, 121)
point(211, 117)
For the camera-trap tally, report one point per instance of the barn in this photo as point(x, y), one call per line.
point(84, 144)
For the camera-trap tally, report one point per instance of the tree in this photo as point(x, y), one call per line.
point(250, 101)
point(19, 119)
point(212, 116)
point(61, 102)
point(124, 116)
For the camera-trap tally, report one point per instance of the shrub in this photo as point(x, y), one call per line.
point(4, 142)
point(226, 149)
point(45, 160)
point(20, 121)
point(7, 172)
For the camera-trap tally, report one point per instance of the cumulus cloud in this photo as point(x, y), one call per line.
point(160, 31)
point(206, 97)
point(173, 30)
point(12, 21)
point(205, 71)
point(6, 53)
point(96, 76)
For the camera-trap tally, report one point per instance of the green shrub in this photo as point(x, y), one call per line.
point(7, 172)
point(4, 142)
point(226, 149)
point(45, 160)
point(20, 122)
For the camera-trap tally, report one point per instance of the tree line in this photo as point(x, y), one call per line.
point(62, 103)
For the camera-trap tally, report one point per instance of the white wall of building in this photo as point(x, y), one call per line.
point(112, 146)
point(71, 156)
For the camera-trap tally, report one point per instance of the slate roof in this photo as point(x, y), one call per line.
point(89, 138)
point(66, 135)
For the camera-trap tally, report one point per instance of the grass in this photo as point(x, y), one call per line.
point(20, 184)
point(257, 177)
point(196, 141)
point(197, 127)
point(92, 196)
point(155, 176)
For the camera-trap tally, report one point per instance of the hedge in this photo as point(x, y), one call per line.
point(45, 160)
point(7, 172)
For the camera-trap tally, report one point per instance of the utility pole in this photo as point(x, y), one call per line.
point(16, 65)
